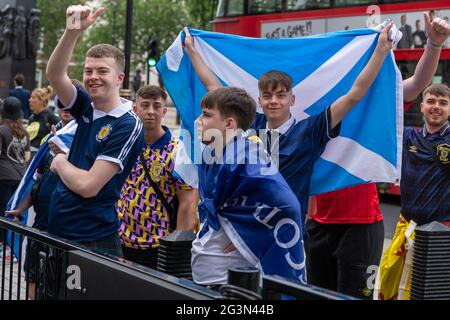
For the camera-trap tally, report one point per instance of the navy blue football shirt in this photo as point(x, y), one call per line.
point(117, 137)
point(425, 188)
point(300, 144)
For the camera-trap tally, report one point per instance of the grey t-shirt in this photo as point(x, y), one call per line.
point(12, 154)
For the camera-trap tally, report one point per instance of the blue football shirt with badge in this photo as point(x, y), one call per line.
point(117, 137)
point(300, 144)
point(425, 187)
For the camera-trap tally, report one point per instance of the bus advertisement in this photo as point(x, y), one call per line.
point(299, 18)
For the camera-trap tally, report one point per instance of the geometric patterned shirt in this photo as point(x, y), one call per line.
point(143, 217)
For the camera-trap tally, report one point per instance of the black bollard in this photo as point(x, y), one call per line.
point(247, 278)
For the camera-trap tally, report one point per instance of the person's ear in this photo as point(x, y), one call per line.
point(231, 123)
point(120, 78)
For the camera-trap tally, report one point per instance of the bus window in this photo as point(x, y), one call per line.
point(293, 5)
point(221, 8)
point(235, 8)
point(265, 6)
point(347, 3)
point(230, 8)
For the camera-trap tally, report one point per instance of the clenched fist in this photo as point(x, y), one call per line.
point(79, 18)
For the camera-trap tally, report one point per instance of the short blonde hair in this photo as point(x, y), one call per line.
point(43, 94)
point(104, 50)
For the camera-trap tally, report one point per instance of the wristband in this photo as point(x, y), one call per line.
point(432, 46)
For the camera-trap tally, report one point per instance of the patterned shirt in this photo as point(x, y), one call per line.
point(143, 217)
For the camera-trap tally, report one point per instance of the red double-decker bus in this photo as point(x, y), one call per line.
point(298, 18)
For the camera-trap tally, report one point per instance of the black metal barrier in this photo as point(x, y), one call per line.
point(278, 288)
point(68, 271)
point(93, 277)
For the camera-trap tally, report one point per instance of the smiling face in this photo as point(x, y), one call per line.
point(102, 77)
point(150, 111)
point(435, 109)
point(276, 104)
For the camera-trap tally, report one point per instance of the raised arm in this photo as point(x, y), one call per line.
point(78, 19)
point(438, 31)
point(206, 76)
point(365, 79)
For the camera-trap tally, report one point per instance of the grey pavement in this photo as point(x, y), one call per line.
point(11, 290)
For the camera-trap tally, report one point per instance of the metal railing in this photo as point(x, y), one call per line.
point(69, 271)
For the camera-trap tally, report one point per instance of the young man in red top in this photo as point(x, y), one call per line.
point(346, 227)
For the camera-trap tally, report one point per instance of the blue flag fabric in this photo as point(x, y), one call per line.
point(323, 68)
point(246, 196)
point(63, 140)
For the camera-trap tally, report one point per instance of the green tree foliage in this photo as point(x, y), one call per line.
point(158, 19)
point(53, 22)
point(201, 13)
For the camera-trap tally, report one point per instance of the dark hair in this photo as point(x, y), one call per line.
point(232, 102)
point(16, 127)
point(438, 90)
point(151, 92)
point(107, 51)
point(19, 79)
point(272, 79)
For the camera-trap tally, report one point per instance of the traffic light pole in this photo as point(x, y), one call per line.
point(128, 31)
point(148, 74)
point(152, 56)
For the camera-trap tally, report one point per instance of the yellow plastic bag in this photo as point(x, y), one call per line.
point(393, 273)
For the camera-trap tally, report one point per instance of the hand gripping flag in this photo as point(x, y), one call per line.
point(63, 140)
point(247, 197)
point(323, 68)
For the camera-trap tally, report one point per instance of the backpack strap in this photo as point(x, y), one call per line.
point(169, 207)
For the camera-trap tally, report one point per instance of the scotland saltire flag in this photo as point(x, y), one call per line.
point(184, 167)
point(63, 140)
point(323, 68)
point(246, 196)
